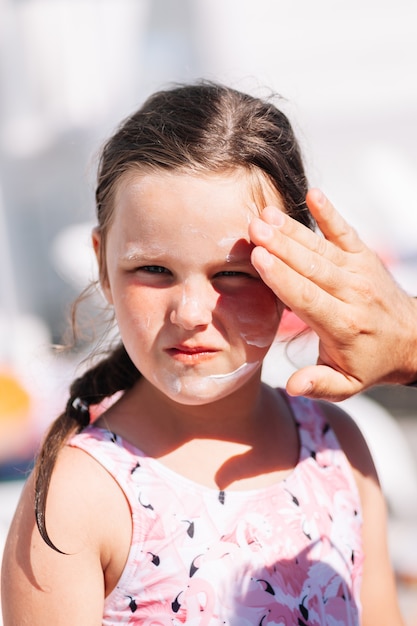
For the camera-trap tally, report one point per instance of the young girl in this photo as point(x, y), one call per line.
point(201, 496)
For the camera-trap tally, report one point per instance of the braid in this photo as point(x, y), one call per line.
point(112, 374)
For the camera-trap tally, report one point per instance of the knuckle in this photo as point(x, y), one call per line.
point(365, 288)
point(320, 247)
point(310, 297)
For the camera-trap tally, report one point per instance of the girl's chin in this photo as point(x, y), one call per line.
point(197, 389)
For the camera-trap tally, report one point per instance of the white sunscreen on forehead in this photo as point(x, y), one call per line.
point(228, 242)
point(134, 252)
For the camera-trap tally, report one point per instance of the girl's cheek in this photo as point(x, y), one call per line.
point(259, 325)
point(259, 334)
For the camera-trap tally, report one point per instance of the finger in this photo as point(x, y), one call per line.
point(334, 228)
point(322, 382)
point(292, 229)
point(281, 254)
point(308, 300)
point(288, 238)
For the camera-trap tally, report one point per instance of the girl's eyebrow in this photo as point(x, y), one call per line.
point(132, 254)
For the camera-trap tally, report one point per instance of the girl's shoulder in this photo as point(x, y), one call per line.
point(88, 521)
point(349, 436)
point(88, 513)
point(353, 445)
point(108, 450)
point(82, 495)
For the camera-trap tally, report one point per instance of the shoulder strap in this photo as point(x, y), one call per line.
point(106, 448)
point(316, 435)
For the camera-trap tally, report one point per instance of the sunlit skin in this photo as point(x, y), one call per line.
point(193, 313)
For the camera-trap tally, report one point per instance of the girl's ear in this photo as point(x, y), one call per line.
point(101, 262)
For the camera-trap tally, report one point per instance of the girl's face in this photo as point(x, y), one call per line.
point(193, 314)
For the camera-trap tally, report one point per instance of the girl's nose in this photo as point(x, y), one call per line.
point(194, 306)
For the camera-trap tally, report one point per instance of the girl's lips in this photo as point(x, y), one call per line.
point(191, 354)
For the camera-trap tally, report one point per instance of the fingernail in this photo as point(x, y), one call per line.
point(307, 389)
point(320, 197)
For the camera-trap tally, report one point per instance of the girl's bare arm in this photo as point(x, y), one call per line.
point(41, 586)
point(378, 594)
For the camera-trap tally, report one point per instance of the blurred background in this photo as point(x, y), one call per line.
point(70, 70)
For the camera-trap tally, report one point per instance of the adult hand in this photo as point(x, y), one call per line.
point(366, 324)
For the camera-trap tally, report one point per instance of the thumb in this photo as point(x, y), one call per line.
point(322, 382)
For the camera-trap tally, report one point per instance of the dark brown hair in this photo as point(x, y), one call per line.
point(204, 127)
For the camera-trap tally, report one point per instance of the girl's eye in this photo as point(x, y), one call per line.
point(233, 274)
point(153, 269)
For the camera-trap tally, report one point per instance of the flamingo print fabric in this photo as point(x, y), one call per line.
point(289, 554)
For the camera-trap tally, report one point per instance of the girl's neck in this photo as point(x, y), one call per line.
point(226, 444)
point(150, 419)
point(245, 441)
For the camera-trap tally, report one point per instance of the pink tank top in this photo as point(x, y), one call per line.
point(288, 554)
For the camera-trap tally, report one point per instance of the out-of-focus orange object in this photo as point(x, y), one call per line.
point(15, 415)
point(14, 399)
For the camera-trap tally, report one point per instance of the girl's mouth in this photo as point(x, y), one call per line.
point(191, 354)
